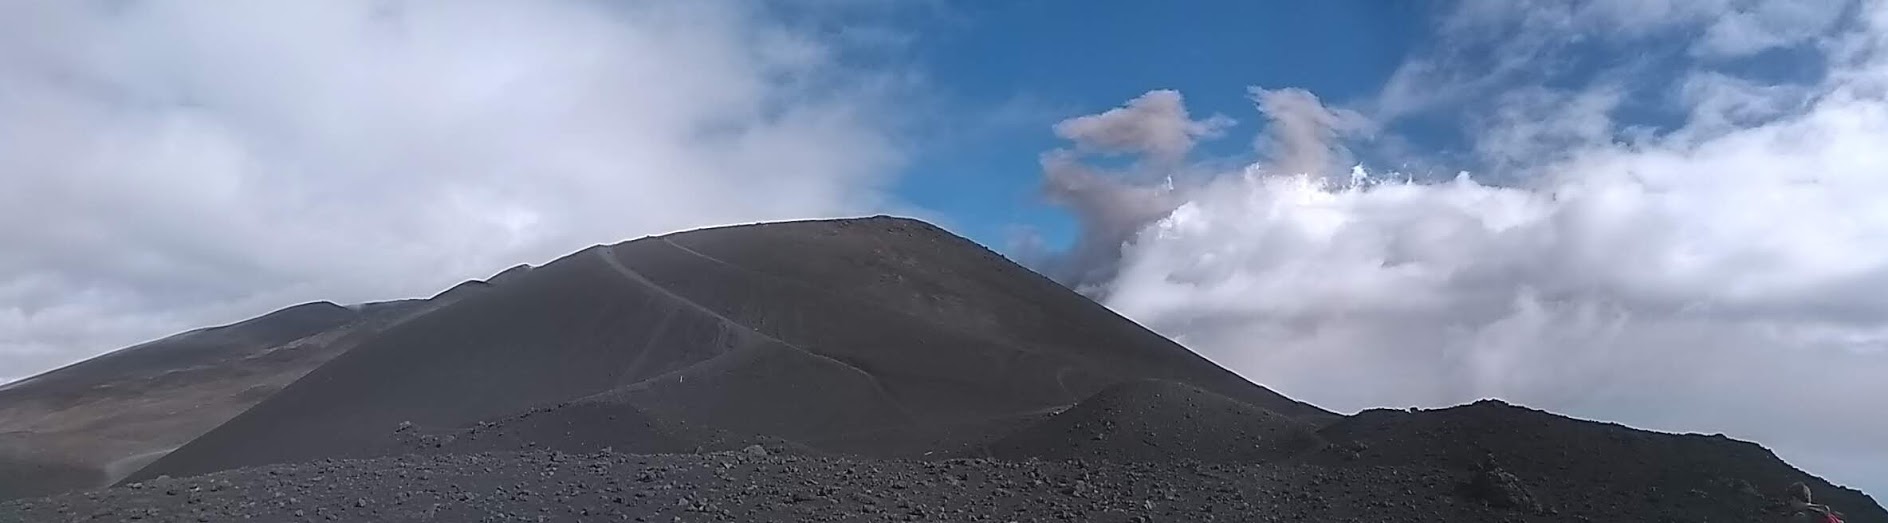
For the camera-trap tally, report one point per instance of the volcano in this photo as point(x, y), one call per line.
point(867, 369)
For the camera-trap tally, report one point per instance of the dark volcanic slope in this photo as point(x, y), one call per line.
point(951, 285)
point(812, 332)
point(89, 423)
point(580, 426)
point(1585, 466)
point(20, 477)
point(93, 422)
point(1152, 420)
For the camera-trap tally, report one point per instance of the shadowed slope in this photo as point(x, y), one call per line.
point(1583, 466)
point(1152, 420)
point(93, 422)
point(807, 331)
point(24, 478)
point(66, 428)
point(905, 270)
point(566, 330)
point(577, 427)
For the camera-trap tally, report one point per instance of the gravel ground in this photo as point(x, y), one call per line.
point(743, 486)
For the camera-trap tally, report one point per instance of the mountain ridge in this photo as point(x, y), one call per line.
point(857, 347)
point(634, 314)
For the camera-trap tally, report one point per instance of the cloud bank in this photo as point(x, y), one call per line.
point(1721, 276)
point(166, 165)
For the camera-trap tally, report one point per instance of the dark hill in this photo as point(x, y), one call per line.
point(601, 423)
point(810, 332)
point(91, 423)
point(578, 427)
point(1603, 470)
point(1155, 420)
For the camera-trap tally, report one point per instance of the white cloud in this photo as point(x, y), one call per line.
point(1723, 276)
point(169, 164)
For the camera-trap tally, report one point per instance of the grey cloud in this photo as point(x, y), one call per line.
point(1155, 124)
point(1304, 135)
point(1156, 128)
point(166, 165)
point(1110, 209)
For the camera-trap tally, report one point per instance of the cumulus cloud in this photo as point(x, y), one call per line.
point(170, 164)
point(1723, 276)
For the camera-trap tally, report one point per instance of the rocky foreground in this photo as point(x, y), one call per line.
point(756, 485)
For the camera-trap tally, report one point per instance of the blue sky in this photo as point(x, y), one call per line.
point(1029, 64)
point(1010, 70)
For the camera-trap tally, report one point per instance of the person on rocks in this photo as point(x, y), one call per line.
point(1803, 509)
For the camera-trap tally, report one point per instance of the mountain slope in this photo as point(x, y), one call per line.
point(1155, 420)
point(1584, 466)
point(91, 423)
point(805, 331)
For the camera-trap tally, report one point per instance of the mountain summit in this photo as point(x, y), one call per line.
point(809, 332)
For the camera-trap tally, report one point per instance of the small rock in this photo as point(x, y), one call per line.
point(755, 450)
point(1499, 488)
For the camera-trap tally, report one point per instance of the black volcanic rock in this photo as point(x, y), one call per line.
point(1155, 420)
point(737, 486)
point(1498, 488)
point(810, 332)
